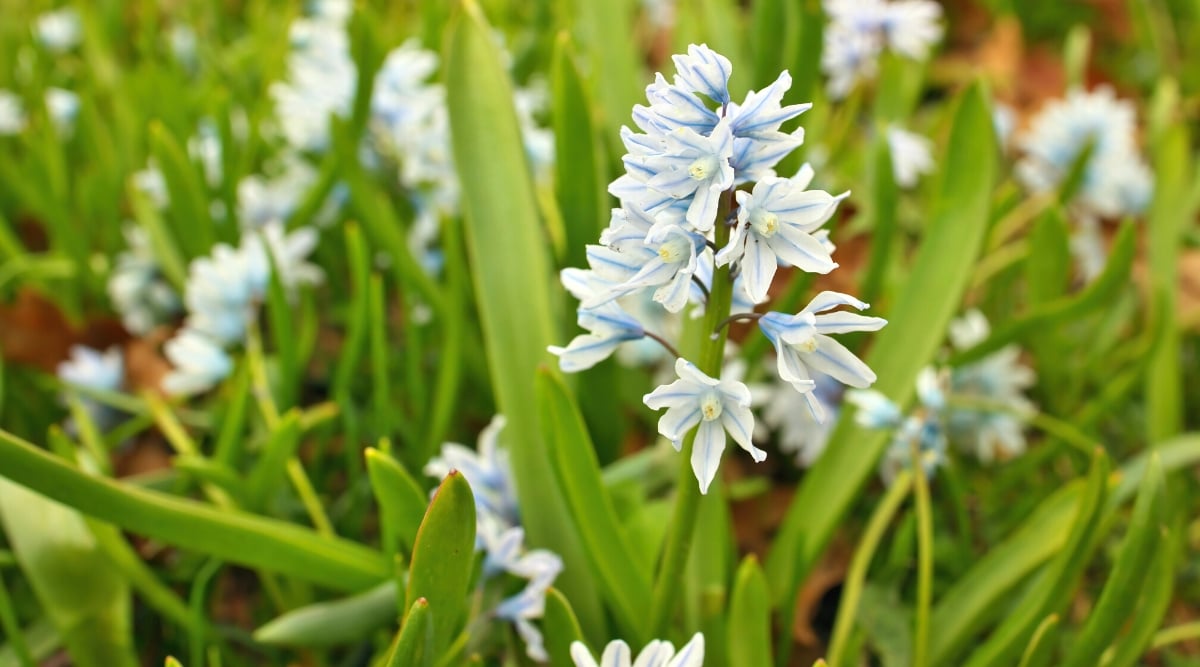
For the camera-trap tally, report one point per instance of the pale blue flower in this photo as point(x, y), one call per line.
point(198, 363)
point(139, 291)
point(658, 653)
point(92, 369)
point(912, 156)
point(12, 114)
point(717, 406)
point(692, 166)
point(923, 428)
point(703, 71)
point(999, 379)
point(776, 223)
point(322, 78)
point(151, 183)
point(859, 30)
point(758, 143)
point(639, 253)
point(486, 469)
point(803, 341)
point(261, 199)
point(1116, 180)
point(63, 107)
point(59, 31)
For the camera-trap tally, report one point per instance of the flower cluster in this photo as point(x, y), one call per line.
point(62, 106)
point(658, 653)
point(700, 193)
point(1115, 180)
point(59, 31)
point(498, 532)
point(980, 407)
point(859, 30)
point(222, 296)
point(139, 291)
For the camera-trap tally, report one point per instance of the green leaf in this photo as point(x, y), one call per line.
point(414, 643)
point(772, 21)
point(189, 197)
point(940, 273)
point(334, 622)
point(1048, 266)
point(512, 280)
point(617, 77)
point(85, 596)
point(1169, 216)
point(979, 595)
point(579, 178)
point(883, 216)
point(624, 585)
point(270, 470)
point(402, 504)
point(443, 558)
point(1041, 647)
point(1151, 606)
point(1053, 588)
point(1098, 294)
point(750, 617)
point(1128, 572)
point(230, 535)
point(560, 628)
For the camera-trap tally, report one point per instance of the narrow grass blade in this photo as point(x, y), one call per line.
point(560, 628)
point(402, 503)
point(227, 534)
point(1128, 572)
point(1041, 648)
point(413, 646)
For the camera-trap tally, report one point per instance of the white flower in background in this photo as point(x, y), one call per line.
point(63, 107)
point(660, 13)
point(922, 428)
point(93, 369)
point(12, 113)
point(198, 363)
point(139, 291)
point(912, 156)
point(792, 418)
point(1004, 121)
point(321, 83)
point(182, 40)
point(151, 183)
point(487, 470)
point(60, 30)
point(658, 653)
point(337, 11)
point(1116, 180)
point(995, 432)
point(717, 406)
point(264, 199)
point(859, 30)
point(205, 147)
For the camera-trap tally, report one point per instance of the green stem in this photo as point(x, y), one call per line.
point(12, 629)
point(1176, 634)
point(687, 492)
point(856, 577)
point(924, 560)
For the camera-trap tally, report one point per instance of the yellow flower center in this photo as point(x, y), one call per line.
point(710, 406)
point(765, 223)
point(703, 168)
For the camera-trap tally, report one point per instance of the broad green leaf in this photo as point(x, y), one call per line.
point(579, 177)
point(1151, 606)
point(622, 583)
point(560, 628)
point(772, 23)
point(402, 503)
point(1058, 580)
point(413, 646)
point(1128, 572)
point(1048, 267)
point(750, 617)
point(443, 558)
point(940, 273)
point(85, 596)
point(334, 622)
point(230, 535)
point(512, 281)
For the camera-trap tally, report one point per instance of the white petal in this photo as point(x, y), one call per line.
point(739, 422)
point(758, 268)
point(677, 394)
point(706, 452)
point(676, 422)
point(829, 300)
point(686, 370)
point(691, 655)
point(833, 359)
point(616, 654)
